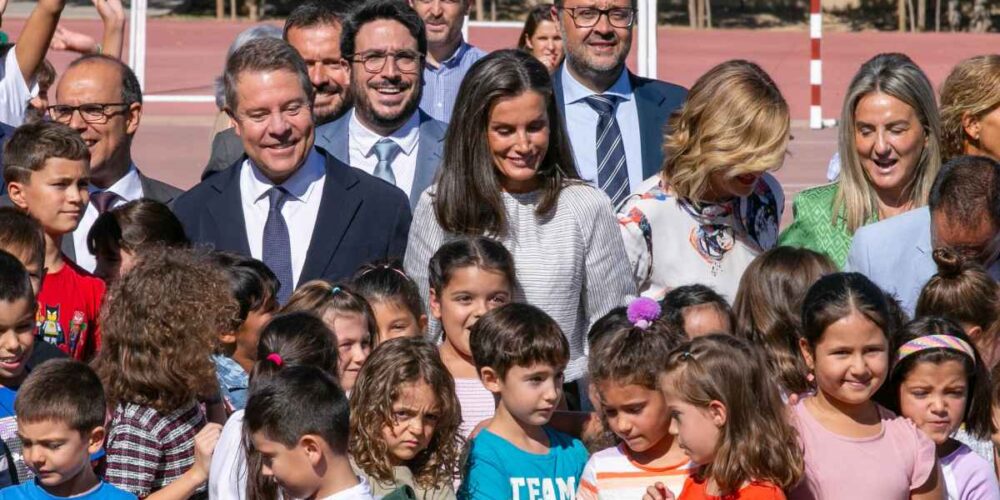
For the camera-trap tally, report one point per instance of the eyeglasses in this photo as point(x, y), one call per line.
point(586, 17)
point(406, 61)
point(91, 113)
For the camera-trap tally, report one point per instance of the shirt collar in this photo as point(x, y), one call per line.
point(300, 185)
point(574, 91)
point(406, 136)
point(455, 58)
point(128, 187)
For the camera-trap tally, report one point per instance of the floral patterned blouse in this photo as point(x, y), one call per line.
point(711, 244)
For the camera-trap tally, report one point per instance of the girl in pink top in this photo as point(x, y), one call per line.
point(940, 382)
point(855, 448)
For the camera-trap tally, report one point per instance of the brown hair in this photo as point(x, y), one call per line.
point(21, 234)
point(536, 16)
point(627, 354)
point(392, 365)
point(159, 326)
point(46, 395)
point(479, 251)
point(972, 89)
point(962, 291)
point(768, 305)
point(735, 120)
point(134, 225)
point(757, 443)
point(517, 335)
point(32, 144)
point(320, 297)
point(468, 198)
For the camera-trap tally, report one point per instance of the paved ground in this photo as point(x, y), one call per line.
point(185, 55)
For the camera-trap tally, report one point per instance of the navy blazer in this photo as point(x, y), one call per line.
point(361, 219)
point(655, 101)
point(335, 138)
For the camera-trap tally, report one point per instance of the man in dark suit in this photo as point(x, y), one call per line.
point(603, 103)
point(304, 213)
point(387, 134)
point(100, 97)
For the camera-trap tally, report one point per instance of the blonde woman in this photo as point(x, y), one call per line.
point(714, 207)
point(890, 153)
point(970, 109)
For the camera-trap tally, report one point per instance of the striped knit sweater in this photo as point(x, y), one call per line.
point(571, 263)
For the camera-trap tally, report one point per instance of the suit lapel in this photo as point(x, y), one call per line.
point(429, 155)
point(337, 209)
point(336, 138)
point(648, 104)
point(226, 210)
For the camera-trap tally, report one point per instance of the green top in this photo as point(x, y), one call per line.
point(813, 228)
point(403, 486)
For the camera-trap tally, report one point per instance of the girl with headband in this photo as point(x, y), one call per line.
point(940, 383)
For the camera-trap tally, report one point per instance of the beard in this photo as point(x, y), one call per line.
point(584, 63)
point(381, 120)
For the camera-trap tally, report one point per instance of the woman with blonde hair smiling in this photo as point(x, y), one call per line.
point(714, 207)
point(970, 109)
point(890, 152)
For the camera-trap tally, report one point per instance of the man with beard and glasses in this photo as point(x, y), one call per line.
point(313, 29)
point(962, 214)
point(601, 99)
point(386, 134)
point(302, 212)
point(449, 57)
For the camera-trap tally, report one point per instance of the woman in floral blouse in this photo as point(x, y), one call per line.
point(714, 207)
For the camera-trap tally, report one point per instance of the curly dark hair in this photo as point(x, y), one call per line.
point(395, 363)
point(159, 325)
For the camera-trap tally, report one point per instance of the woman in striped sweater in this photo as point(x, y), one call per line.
point(508, 173)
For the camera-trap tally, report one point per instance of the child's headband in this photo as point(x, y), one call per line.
point(936, 342)
point(642, 312)
point(385, 266)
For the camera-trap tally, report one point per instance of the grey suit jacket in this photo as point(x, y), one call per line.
point(897, 254)
point(335, 139)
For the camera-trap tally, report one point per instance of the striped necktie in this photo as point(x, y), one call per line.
point(612, 174)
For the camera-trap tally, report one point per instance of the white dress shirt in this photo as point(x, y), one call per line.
point(128, 188)
point(301, 208)
point(362, 149)
point(581, 127)
point(15, 92)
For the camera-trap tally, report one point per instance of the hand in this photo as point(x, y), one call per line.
point(110, 10)
point(66, 39)
point(204, 446)
point(658, 492)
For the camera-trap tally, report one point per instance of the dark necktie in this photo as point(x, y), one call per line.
point(386, 151)
point(277, 247)
point(612, 175)
point(103, 200)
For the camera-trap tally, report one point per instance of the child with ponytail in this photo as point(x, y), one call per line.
point(293, 339)
point(727, 415)
point(624, 365)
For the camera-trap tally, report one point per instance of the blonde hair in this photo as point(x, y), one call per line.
point(971, 89)
point(757, 442)
point(897, 76)
point(734, 120)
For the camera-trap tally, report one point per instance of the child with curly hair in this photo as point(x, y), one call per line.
point(160, 323)
point(404, 420)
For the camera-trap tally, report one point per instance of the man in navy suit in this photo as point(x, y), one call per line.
point(386, 134)
point(304, 213)
point(614, 119)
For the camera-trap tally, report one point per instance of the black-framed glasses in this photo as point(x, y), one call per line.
point(586, 17)
point(91, 113)
point(406, 61)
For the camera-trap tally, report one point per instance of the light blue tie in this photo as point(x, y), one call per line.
point(612, 175)
point(386, 151)
point(277, 247)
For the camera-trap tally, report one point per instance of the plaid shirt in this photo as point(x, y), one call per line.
point(441, 83)
point(148, 450)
